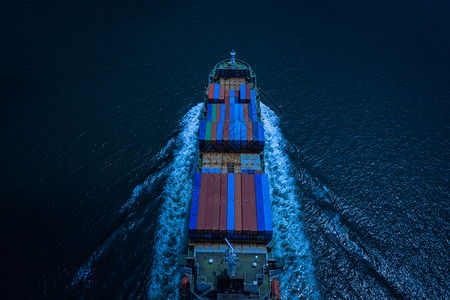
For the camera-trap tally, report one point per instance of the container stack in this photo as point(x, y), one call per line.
point(236, 206)
point(231, 136)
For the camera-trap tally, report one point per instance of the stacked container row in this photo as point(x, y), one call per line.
point(236, 206)
point(219, 94)
point(232, 113)
point(231, 136)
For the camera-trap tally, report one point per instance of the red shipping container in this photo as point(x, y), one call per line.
point(227, 112)
point(226, 126)
point(237, 204)
point(249, 133)
point(209, 203)
point(222, 92)
point(227, 101)
point(216, 204)
point(202, 204)
point(211, 91)
point(223, 205)
point(247, 91)
point(245, 112)
point(218, 107)
point(253, 222)
point(227, 94)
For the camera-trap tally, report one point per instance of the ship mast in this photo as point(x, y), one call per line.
point(231, 259)
point(233, 53)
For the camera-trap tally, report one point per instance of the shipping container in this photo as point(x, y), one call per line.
point(213, 112)
point(222, 112)
point(241, 113)
point(194, 206)
point(245, 109)
point(201, 134)
point(261, 134)
point(232, 135)
point(202, 206)
point(249, 128)
point(211, 91)
point(227, 112)
point(209, 205)
point(259, 207)
point(222, 92)
point(218, 107)
point(237, 206)
point(226, 143)
point(245, 207)
point(232, 96)
point(230, 206)
point(243, 129)
point(208, 136)
point(253, 96)
point(242, 93)
point(237, 131)
point(223, 205)
point(250, 114)
point(214, 135)
point(255, 135)
point(215, 220)
point(216, 91)
point(209, 113)
point(236, 113)
point(254, 113)
point(247, 92)
point(253, 224)
point(267, 207)
point(219, 135)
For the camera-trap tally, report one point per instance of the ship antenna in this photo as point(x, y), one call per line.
point(233, 53)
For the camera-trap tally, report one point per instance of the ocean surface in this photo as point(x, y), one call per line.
point(99, 117)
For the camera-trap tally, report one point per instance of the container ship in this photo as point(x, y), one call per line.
point(229, 253)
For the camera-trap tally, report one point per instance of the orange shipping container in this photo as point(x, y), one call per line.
point(245, 112)
point(218, 112)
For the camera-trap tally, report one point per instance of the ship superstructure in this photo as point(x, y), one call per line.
point(230, 222)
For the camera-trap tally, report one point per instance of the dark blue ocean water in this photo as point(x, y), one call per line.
point(99, 106)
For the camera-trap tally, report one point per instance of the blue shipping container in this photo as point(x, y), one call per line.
point(222, 112)
point(216, 91)
point(209, 113)
point(254, 112)
point(255, 133)
point(243, 134)
point(241, 112)
point(219, 133)
point(194, 204)
point(236, 113)
point(232, 112)
point(259, 204)
point(261, 134)
point(231, 135)
point(201, 134)
point(237, 135)
point(230, 205)
point(242, 95)
point(266, 203)
point(253, 96)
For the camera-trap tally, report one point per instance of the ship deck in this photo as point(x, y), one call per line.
point(208, 273)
